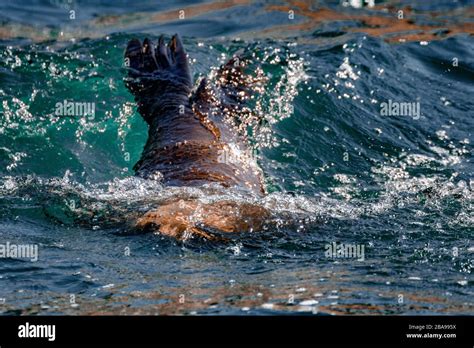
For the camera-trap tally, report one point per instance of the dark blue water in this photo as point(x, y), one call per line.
point(337, 168)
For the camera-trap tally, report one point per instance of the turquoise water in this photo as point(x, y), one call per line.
point(337, 169)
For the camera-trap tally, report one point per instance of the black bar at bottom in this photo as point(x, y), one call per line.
point(141, 330)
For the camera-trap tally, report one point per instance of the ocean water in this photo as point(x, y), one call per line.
point(341, 166)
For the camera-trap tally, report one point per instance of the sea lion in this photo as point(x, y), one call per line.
point(193, 138)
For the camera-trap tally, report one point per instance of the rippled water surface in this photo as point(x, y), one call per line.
point(336, 168)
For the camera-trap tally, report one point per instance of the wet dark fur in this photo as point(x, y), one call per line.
point(189, 135)
point(188, 130)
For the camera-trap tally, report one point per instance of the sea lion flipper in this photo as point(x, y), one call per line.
point(134, 55)
point(140, 57)
point(159, 77)
point(149, 62)
point(232, 87)
point(162, 54)
point(203, 96)
point(234, 82)
point(165, 62)
point(179, 55)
